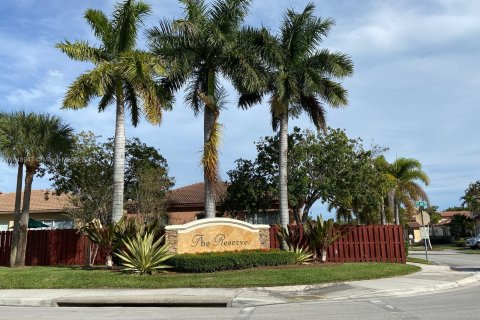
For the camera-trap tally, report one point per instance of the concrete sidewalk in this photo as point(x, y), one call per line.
point(431, 278)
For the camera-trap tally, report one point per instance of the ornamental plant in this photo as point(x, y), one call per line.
point(321, 234)
point(144, 254)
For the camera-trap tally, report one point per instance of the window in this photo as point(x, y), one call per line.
point(270, 217)
point(58, 224)
point(3, 226)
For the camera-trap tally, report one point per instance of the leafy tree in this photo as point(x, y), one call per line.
point(122, 74)
point(87, 177)
point(471, 199)
point(30, 140)
point(461, 225)
point(455, 208)
point(435, 217)
point(206, 44)
point(328, 167)
point(12, 151)
point(404, 173)
point(302, 78)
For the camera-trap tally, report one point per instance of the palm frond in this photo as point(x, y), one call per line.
point(227, 15)
point(210, 158)
point(131, 103)
point(82, 51)
point(100, 25)
point(93, 83)
point(127, 17)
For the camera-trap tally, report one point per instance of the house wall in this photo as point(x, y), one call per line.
point(181, 217)
point(6, 220)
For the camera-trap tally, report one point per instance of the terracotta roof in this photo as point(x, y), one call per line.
point(449, 214)
point(193, 195)
point(41, 201)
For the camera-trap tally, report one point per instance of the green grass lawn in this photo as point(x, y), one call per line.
point(76, 277)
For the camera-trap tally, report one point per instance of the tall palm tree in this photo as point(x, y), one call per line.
point(12, 141)
point(122, 74)
point(36, 139)
point(207, 43)
point(404, 172)
point(302, 78)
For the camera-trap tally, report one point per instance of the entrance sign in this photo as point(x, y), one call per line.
point(216, 235)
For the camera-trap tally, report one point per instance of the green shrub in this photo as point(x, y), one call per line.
point(218, 261)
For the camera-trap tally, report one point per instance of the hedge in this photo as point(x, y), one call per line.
point(218, 261)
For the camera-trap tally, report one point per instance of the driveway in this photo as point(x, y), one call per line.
point(455, 259)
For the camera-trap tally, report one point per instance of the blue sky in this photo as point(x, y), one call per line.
point(415, 87)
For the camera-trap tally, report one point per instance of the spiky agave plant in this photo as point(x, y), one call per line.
point(144, 254)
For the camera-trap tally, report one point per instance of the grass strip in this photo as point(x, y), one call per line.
point(418, 260)
point(76, 277)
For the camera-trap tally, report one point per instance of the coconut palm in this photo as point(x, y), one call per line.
point(404, 172)
point(302, 78)
point(121, 74)
point(36, 139)
point(206, 44)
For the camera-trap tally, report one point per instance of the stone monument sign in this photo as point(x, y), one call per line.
point(216, 235)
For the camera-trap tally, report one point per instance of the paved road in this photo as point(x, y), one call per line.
point(451, 258)
point(453, 304)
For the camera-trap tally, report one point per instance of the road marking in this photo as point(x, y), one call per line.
point(245, 313)
point(393, 310)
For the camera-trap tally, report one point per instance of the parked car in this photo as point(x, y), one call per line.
point(473, 242)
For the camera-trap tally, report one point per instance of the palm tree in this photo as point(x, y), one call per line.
point(302, 78)
point(122, 74)
point(36, 139)
point(12, 141)
point(404, 173)
point(206, 44)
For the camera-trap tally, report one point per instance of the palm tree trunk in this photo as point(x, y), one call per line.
point(397, 212)
point(209, 121)
point(210, 210)
point(16, 215)
point(283, 192)
point(383, 219)
point(119, 157)
point(22, 239)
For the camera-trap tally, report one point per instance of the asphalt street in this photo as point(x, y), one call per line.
point(451, 258)
point(452, 304)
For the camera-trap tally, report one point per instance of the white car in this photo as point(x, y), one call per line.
point(473, 242)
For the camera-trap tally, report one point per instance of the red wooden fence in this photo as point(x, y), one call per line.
point(375, 243)
point(370, 243)
point(51, 247)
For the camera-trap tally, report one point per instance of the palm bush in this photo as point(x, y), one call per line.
point(302, 255)
point(321, 234)
point(144, 254)
point(291, 236)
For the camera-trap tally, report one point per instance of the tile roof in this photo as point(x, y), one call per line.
point(194, 194)
point(41, 201)
point(449, 214)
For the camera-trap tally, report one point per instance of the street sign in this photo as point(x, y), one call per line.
point(422, 218)
point(424, 232)
point(419, 204)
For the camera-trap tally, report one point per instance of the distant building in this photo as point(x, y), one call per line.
point(45, 207)
point(187, 203)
